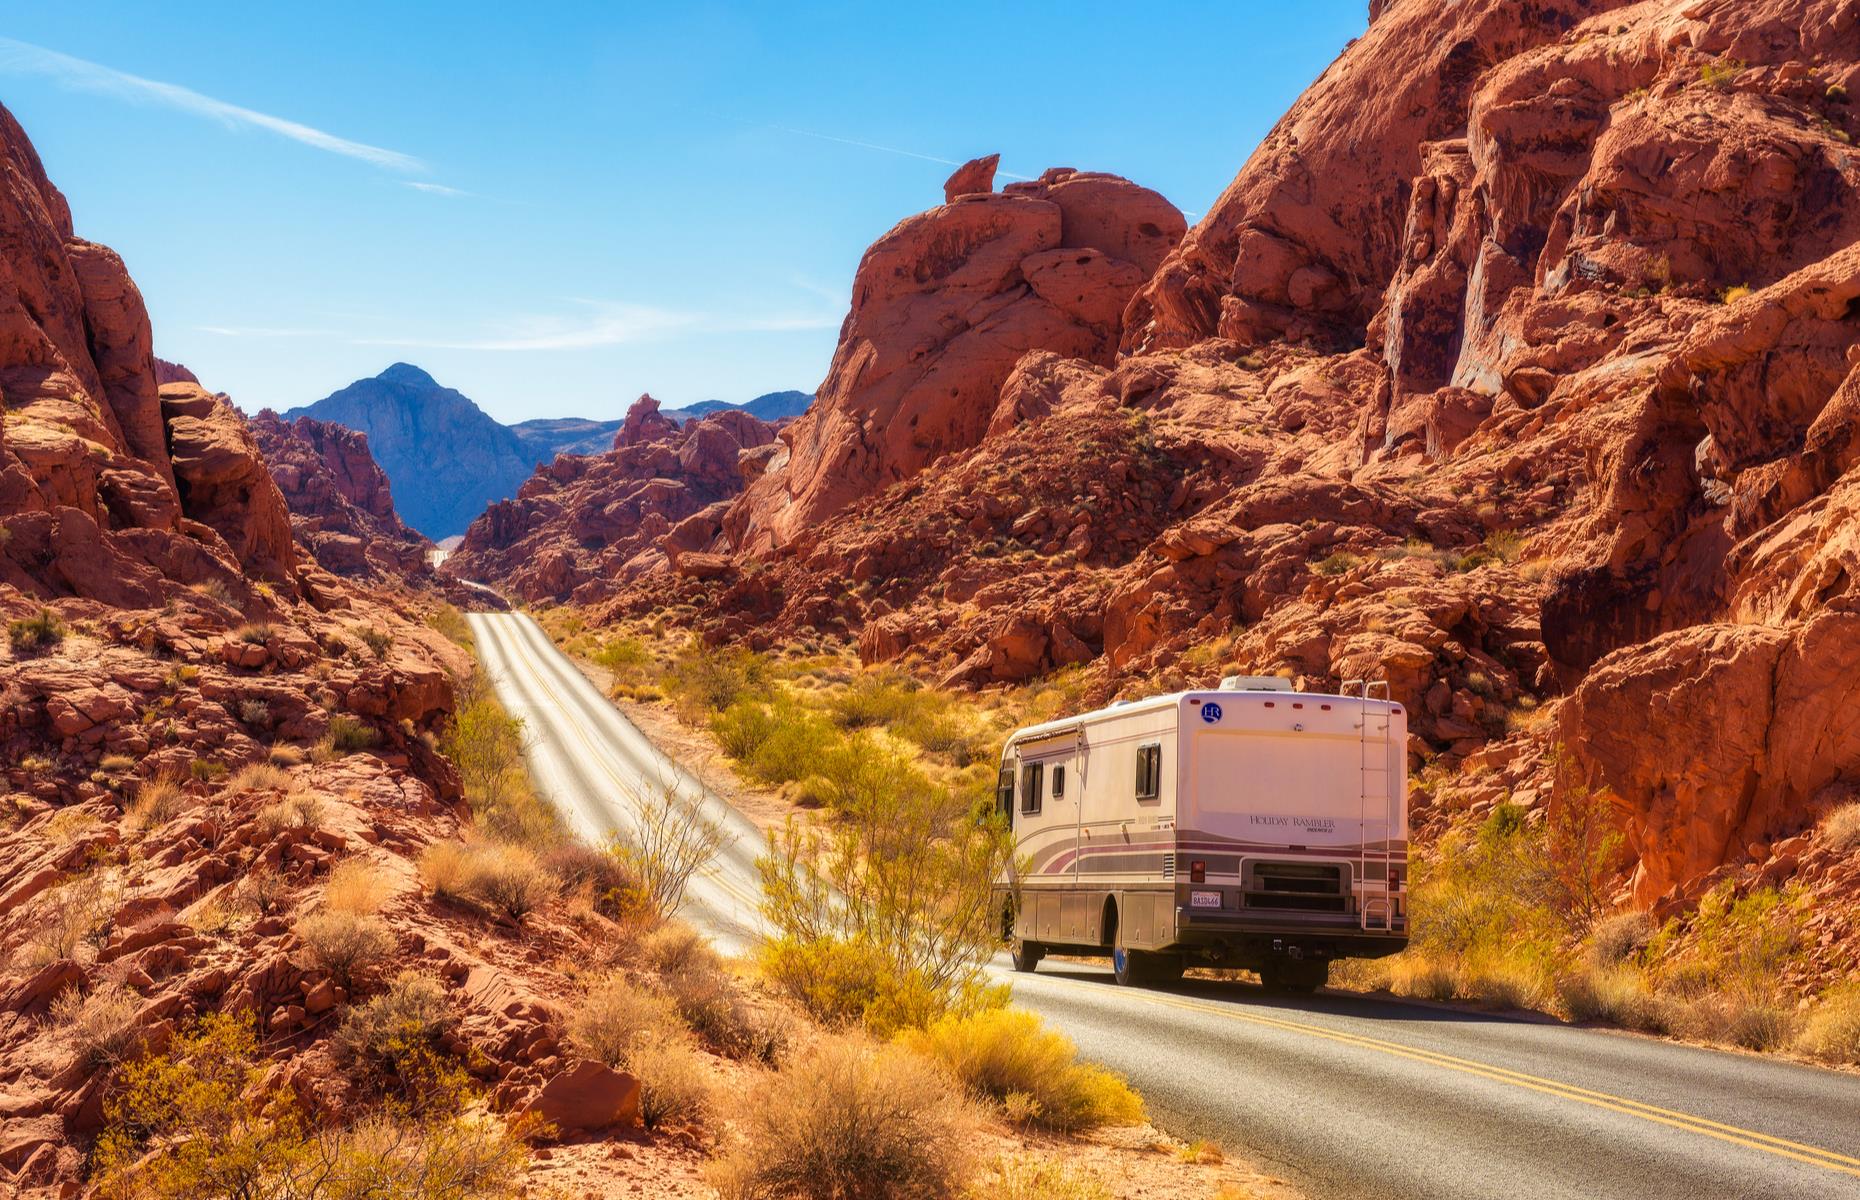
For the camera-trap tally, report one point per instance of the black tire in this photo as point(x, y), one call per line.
point(1127, 967)
point(1295, 976)
point(1142, 968)
point(1026, 955)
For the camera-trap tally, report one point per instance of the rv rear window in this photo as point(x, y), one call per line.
point(1149, 772)
point(1030, 788)
point(1059, 781)
point(1004, 791)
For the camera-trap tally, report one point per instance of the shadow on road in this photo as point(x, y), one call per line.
point(1342, 1004)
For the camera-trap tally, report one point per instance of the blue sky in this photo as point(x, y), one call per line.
point(555, 207)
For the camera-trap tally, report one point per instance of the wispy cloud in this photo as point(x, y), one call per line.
point(262, 331)
point(845, 141)
point(23, 58)
point(608, 324)
point(435, 189)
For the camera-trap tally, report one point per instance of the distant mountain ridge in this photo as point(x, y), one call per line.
point(448, 460)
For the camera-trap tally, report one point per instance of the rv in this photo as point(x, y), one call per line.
point(1249, 826)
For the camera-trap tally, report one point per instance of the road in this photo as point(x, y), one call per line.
point(1343, 1095)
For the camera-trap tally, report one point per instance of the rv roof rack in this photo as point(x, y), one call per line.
point(1255, 683)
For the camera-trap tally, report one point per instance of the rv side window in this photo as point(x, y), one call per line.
point(1004, 791)
point(1059, 781)
point(1149, 772)
point(1030, 788)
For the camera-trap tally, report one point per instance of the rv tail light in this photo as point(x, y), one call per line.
point(1197, 871)
point(1394, 879)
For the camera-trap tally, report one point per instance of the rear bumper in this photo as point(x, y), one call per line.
point(1255, 935)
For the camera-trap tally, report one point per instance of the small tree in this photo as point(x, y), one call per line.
point(902, 884)
point(1582, 845)
point(670, 839)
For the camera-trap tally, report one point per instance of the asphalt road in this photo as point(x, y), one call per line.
point(1343, 1095)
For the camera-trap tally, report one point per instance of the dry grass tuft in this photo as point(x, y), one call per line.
point(851, 1120)
point(298, 810)
point(1033, 1179)
point(158, 801)
point(504, 878)
point(357, 886)
point(615, 1016)
point(352, 948)
point(1841, 828)
point(102, 1025)
point(260, 777)
point(674, 1084)
point(1003, 1052)
point(1832, 1032)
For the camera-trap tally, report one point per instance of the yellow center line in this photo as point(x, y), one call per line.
point(1749, 1138)
point(715, 873)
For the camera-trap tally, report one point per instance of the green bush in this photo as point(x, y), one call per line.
point(743, 728)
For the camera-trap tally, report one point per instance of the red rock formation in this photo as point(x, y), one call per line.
point(944, 305)
point(341, 508)
point(583, 524)
point(1569, 405)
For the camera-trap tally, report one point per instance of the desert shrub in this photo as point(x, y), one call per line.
point(262, 891)
point(195, 1122)
point(880, 697)
point(997, 1053)
point(674, 1084)
point(1619, 937)
point(255, 635)
point(743, 728)
point(503, 877)
point(36, 634)
point(1740, 945)
point(286, 755)
point(352, 947)
point(793, 746)
point(1616, 994)
point(1505, 545)
point(76, 914)
point(378, 641)
point(207, 770)
point(1034, 1179)
point(848, 1120)
point(1752, 1021)
point(704, 679)
point(158, 801)
point(705, 996)
point(102, 1025)
point(487, 744)
point(1503, 983)
point(670, 839)
point(1832, 1031)
point(260, 777)
point(941, 728)
point(298, 810)
point(116, 764)
point(397, 1031)
point(1337, 563)
point(627, 659)
point(1841, 828)
point(908, 932)
point(450, 624)
point(1423, 977)
point(615, 1015)
point(255, 713)
point(612, 886)
point(348, 735)
point(356, 886)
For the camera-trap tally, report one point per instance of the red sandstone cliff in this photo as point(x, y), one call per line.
point(1529, 383)
point(341, 508)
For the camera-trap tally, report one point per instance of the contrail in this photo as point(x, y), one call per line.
point(24, 58)
point(827, 137)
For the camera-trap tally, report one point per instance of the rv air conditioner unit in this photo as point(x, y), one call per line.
point(1256, 683)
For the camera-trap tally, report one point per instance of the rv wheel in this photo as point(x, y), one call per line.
point(1133, 968)
point(1026, 954)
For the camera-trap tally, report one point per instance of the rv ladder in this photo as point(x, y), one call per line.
point(1375, 905)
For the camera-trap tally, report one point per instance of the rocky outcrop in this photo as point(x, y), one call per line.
point(944, 305)
point(584, 525)
point(342, 509)
point(1530, 387)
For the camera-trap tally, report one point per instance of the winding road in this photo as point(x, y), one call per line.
point(1343, 1095)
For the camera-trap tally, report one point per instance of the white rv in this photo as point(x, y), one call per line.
point(1247, 826)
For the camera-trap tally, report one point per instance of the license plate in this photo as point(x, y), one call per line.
point(1204, 899)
